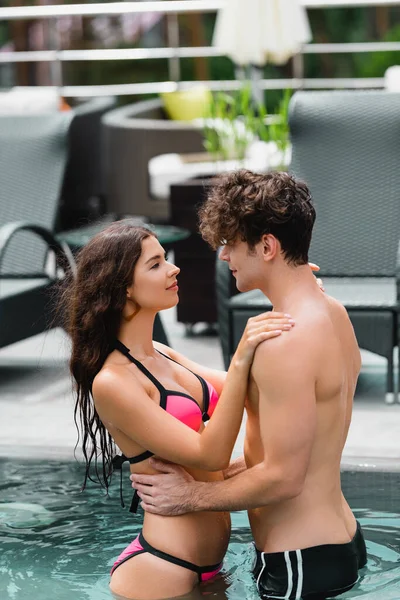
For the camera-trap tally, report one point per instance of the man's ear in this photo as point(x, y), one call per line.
point(270, 246)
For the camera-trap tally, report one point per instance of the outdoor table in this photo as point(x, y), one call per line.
point(168, 235)
point(167, 169)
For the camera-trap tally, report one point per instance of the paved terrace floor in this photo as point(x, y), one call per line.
point(36, 402)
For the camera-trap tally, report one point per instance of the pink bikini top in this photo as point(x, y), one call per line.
point(178, 404)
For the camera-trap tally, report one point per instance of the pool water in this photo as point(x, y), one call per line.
point(57, 543)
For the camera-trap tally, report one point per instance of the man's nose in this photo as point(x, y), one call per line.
point(224, 254)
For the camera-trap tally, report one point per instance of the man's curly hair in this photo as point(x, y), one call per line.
point(243, 205)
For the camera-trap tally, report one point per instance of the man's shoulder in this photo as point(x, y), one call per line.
point(336, 305)
point(306, 329)
point(294, 349)
point(284, 348)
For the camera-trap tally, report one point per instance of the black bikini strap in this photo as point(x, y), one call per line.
point(206, 393)
point(206, 400)
point(174, 560)
point(126, 352)
point(117, 463)
point(135, 502)
point(140, 457)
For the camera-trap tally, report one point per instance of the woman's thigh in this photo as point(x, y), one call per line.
point(147, 577)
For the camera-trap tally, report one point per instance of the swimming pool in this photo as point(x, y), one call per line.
point(59, 544)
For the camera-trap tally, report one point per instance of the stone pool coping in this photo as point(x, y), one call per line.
point(348, 463)
point(386, 465)
point(33, 452)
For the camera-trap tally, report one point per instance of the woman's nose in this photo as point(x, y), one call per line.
point(174, 270)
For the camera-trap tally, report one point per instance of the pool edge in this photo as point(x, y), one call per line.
point(62, 453)
point(363, 463)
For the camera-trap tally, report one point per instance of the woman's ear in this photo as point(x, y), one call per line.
point(130, 293)
point(131, 307)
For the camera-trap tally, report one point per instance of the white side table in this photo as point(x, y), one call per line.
point(167, 169)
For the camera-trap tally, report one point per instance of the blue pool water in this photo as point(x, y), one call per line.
point(57, 543)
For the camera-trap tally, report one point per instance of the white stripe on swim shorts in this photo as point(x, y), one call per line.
point(299, 575)
point(289, 575)
point(261, 572)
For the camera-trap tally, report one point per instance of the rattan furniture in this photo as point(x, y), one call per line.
point(33, 156)
point(346, 146)
point(133, 135)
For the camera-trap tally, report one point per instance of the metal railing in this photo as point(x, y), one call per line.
point(174, 52)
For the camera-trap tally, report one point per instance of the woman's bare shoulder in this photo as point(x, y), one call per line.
point(164, 349)
point(112, 377)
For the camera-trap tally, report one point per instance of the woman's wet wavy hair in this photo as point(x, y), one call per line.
point(245, 205)
point(90, 306)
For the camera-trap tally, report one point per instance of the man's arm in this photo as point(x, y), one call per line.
point(236, 466)
point(283, 371)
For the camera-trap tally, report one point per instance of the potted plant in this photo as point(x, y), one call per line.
point(239, 134)
point(273, 130)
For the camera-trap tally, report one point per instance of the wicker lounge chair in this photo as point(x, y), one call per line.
point(346, 146)
point(33, 154)
point(83, 196)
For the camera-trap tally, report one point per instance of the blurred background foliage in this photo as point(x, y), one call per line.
point(328, 25)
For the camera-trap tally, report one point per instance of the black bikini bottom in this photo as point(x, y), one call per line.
point(141, 546)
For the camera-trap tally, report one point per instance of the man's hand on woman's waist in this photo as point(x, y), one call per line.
point(171, 492)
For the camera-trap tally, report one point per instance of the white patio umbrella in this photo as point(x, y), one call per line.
point(256, 32)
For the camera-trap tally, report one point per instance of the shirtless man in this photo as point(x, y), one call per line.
point(300, 396)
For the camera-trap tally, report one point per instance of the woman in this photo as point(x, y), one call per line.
point(150, 400)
